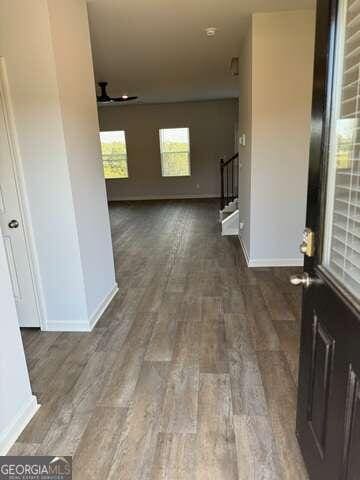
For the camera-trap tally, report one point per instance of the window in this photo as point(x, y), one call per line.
point(342, 232)
point(175, 152)
point(113, 149)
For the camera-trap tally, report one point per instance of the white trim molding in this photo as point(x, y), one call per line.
point(73, 326)
point(95, 317)
point(245, 252)
point(276, 262)
point(10, 435)
point(164, 197)
point(84, 325)
point(270, 262)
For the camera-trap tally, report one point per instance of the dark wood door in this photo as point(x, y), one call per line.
point(328, 417)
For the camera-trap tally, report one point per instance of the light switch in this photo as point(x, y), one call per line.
point(242, 140)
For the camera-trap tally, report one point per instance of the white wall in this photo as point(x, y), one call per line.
point(72, 241)
point(245, 127)
point(282, 50)
point(75, 77)
point(211, 125)
point(17, 404)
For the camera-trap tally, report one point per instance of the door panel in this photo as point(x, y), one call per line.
point(351, 467)
point(329, 345)
point(12, 268)
point(323, 349)
point(14, 238)
point(9, 253)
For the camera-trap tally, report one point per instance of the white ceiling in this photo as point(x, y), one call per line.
point(158, 50)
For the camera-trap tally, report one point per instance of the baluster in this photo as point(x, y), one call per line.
point(227, 184)
point(229, 190)
point(222, 184)
point(237, 178)
point(232, 181)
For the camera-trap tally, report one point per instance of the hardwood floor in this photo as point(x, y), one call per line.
point(190, 374)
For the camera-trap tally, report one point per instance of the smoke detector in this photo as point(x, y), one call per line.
point(211, 31)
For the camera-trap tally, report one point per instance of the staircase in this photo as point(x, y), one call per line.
point(229, 207)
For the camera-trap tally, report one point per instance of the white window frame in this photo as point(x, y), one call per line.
point(188, 151)
point(127, 163)
point(341, 279)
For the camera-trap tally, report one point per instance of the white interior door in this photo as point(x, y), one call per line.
point(12, 229)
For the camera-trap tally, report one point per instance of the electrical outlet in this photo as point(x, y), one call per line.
point(198, 185)
point(241, 226)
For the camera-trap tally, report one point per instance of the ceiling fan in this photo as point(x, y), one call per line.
point(104, 97)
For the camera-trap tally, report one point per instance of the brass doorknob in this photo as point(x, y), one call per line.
point(303, 279)
point(303, 248)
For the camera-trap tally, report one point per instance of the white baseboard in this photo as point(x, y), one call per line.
point(80, 326)
point(276, 262)
point(270, 262)
point(84, 326)
point(95, 317)
point(164, 197)
point(10, 435)
point(245, 252)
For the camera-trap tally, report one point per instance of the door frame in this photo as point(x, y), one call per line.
point(324, 72)
point(325, 69)
point(19, 178)
point(321, 118)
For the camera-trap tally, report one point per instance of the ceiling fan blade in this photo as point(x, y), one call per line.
point(120, 99)
point(104, 97)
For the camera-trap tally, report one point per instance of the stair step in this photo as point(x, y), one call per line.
point(223, 215)
point(230, 208)
point(230, 223)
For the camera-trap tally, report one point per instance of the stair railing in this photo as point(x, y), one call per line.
point(229, 175)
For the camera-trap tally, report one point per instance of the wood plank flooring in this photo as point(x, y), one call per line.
point(191, 372)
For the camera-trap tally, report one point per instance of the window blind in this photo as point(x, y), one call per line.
point(343, 223)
